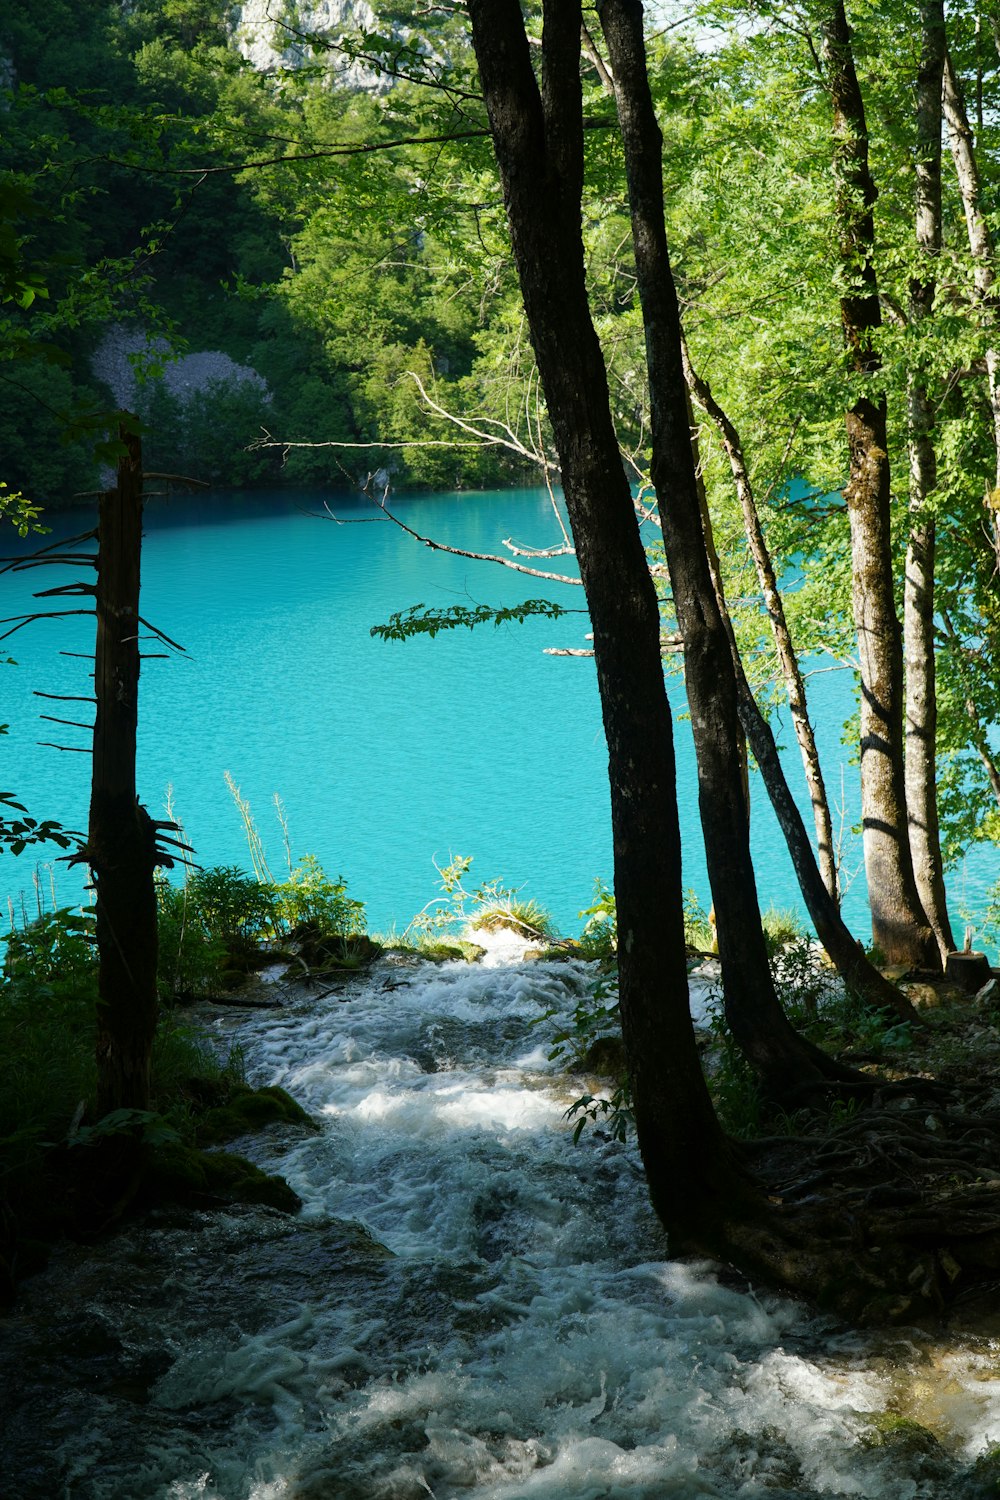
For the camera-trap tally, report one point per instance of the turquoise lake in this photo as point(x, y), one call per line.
point(387, 756)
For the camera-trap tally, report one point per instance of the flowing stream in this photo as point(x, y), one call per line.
point(467, 1305)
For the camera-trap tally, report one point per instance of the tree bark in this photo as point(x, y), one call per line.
point(782, 1058)
point(121, 840)
point(918, 589)
point(899, 924)
point(538, 139)
point(844, 951)
point(794, 685)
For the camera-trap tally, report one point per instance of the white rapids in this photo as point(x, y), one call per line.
point(525, 1338)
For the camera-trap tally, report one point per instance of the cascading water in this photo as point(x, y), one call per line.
point(466, 1306)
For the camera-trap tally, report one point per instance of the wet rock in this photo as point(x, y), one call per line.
point(192, 1176)
point(606, 1057)
point(248, 1110)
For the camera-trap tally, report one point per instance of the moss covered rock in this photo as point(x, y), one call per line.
point(186, 1174)
point(247, 1110)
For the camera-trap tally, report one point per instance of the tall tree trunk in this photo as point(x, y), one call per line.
point(794, 685)
point(121, 839)
point(983, 259)
point(899, 924)
point(538, 139)
point(844, 951)
point(918, 589)
point(782, 1058)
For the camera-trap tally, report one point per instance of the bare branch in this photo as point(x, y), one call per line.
point(161, 636)
point(44, 614)
point(505, 562)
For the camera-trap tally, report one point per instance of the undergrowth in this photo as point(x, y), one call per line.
point(223, 922)
point(48, 1091)
point(490, 905)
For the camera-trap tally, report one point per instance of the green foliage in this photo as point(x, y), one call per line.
point(19, 511)
point(209, 436)
point(698, 930)
point(991, 919)
point(309, 897)
point(615, 1114)
point(222, 918)
point(595, 1018)
point(782, 928)
point(734, 1086)
point(232, 905)
point(599, 938)
point(18, 833)
point(51, 1146)
point(191, 957)
point(54, 955)
point(490, 905)
point(418, 620)
point(48, 997)
point(143, 1124)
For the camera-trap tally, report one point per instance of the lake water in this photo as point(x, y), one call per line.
point(387, 756)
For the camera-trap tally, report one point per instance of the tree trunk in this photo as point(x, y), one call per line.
point(984, 263)
point(899, 924)
point(918, 590)
point(121, 840)
point(844, 951)
point(782, 1058)
point(794, 685)
point(538, 138)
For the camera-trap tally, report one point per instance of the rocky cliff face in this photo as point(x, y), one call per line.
point(274, 34)
point(125, 352)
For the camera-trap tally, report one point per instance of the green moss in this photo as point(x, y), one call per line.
point(558, 952)
point(185, 1174)
point(891, 1429)
point(983, 1480)
point(450, 952)
point(247, 1110)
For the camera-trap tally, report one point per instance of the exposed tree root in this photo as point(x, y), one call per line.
point(892, 1215)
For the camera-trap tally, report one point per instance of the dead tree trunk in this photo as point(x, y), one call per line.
point(899, 924)
point(121, 839)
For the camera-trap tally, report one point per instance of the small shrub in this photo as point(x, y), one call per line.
point(233, 906)
point(309, 897)
point(698, 930)
point(48, 1002)
point(599, 938)
point(732, 1082)
point(190, 958)
point(781, 929)
point(499, 907)
point(56, 948)
point(488, 905)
